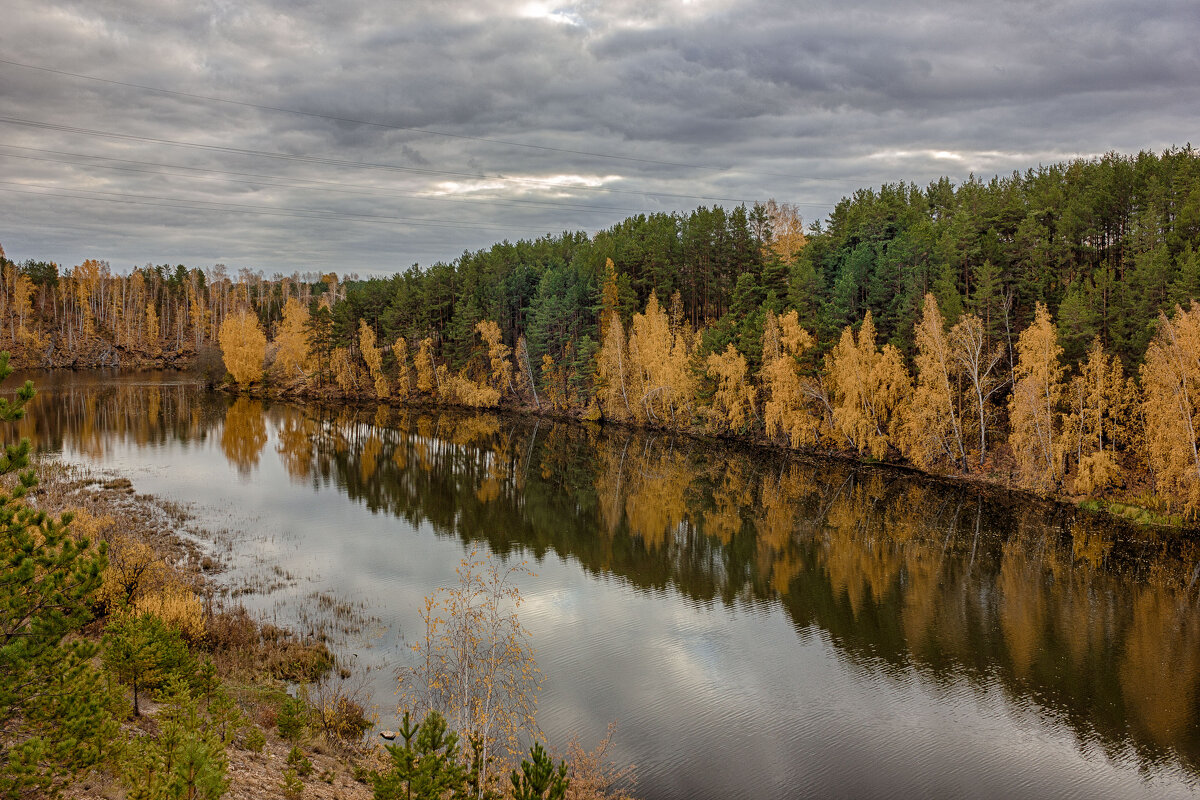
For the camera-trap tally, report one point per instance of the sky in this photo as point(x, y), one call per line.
point(364, 136)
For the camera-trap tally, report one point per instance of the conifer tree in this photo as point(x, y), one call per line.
point(185, 760)
point(139, 649)
point(428, 766)
point(54, 705)
point(403, 371)
point(538, 778)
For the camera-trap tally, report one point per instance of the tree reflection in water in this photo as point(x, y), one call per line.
point(1093, 622)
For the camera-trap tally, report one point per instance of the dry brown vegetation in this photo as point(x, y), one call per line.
point(153, 568)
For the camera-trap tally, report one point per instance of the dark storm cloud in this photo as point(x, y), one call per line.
point(802, 102)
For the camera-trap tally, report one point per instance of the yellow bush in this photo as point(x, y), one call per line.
point(178, 607)
point(134, 568)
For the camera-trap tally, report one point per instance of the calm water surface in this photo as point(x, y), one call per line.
point(758, 626)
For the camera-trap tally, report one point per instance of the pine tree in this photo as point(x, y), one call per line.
point(139, 649)
point(538, 778)
point(185, 760)
point(54, 705)
point(428, 766)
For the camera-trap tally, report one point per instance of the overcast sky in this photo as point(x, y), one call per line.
point(368, 135)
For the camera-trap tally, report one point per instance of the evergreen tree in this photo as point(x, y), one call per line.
point(428, 766)
point(139, 649)
point(185, 760)
point(54, 705)
point(538, 778)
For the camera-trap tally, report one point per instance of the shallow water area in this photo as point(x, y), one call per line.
point(758, 625)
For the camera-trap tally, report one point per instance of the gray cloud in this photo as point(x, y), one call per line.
point(802, 102)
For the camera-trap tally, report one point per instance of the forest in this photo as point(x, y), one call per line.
point(1035, 330)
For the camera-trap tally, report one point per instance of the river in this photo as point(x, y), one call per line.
point(758, 625)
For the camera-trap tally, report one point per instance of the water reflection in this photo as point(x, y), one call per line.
point(1093, 625)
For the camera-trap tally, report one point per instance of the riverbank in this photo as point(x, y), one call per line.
point(1134, 503)
point(158, 541)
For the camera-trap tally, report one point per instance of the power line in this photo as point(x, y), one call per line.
point(326, 186)
point(241, 208)
point(426, 131)
point(355, 164)
point(100, 230)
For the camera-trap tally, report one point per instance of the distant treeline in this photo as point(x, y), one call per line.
point(982, 328)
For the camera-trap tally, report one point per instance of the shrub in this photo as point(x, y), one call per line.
point(179, 608)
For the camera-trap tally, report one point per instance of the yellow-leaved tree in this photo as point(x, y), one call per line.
point(787, 396)
point(733, 401)
point(612, 371)
point(499, 353)
point(1171, 404)
point(870, 388)
point(427, 380)
point(373, 356)
point(153, 345)
point(932, 433)
point(244, 434)
point(243, 346)
point(787, 229)
point(474, 664)
point(660, 357)
point(346, 373)
point(1033, 408)
point(1101, 404)
point(291, 341)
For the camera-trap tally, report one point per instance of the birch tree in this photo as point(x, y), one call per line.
point(1033, 408)
point(1171, 404)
